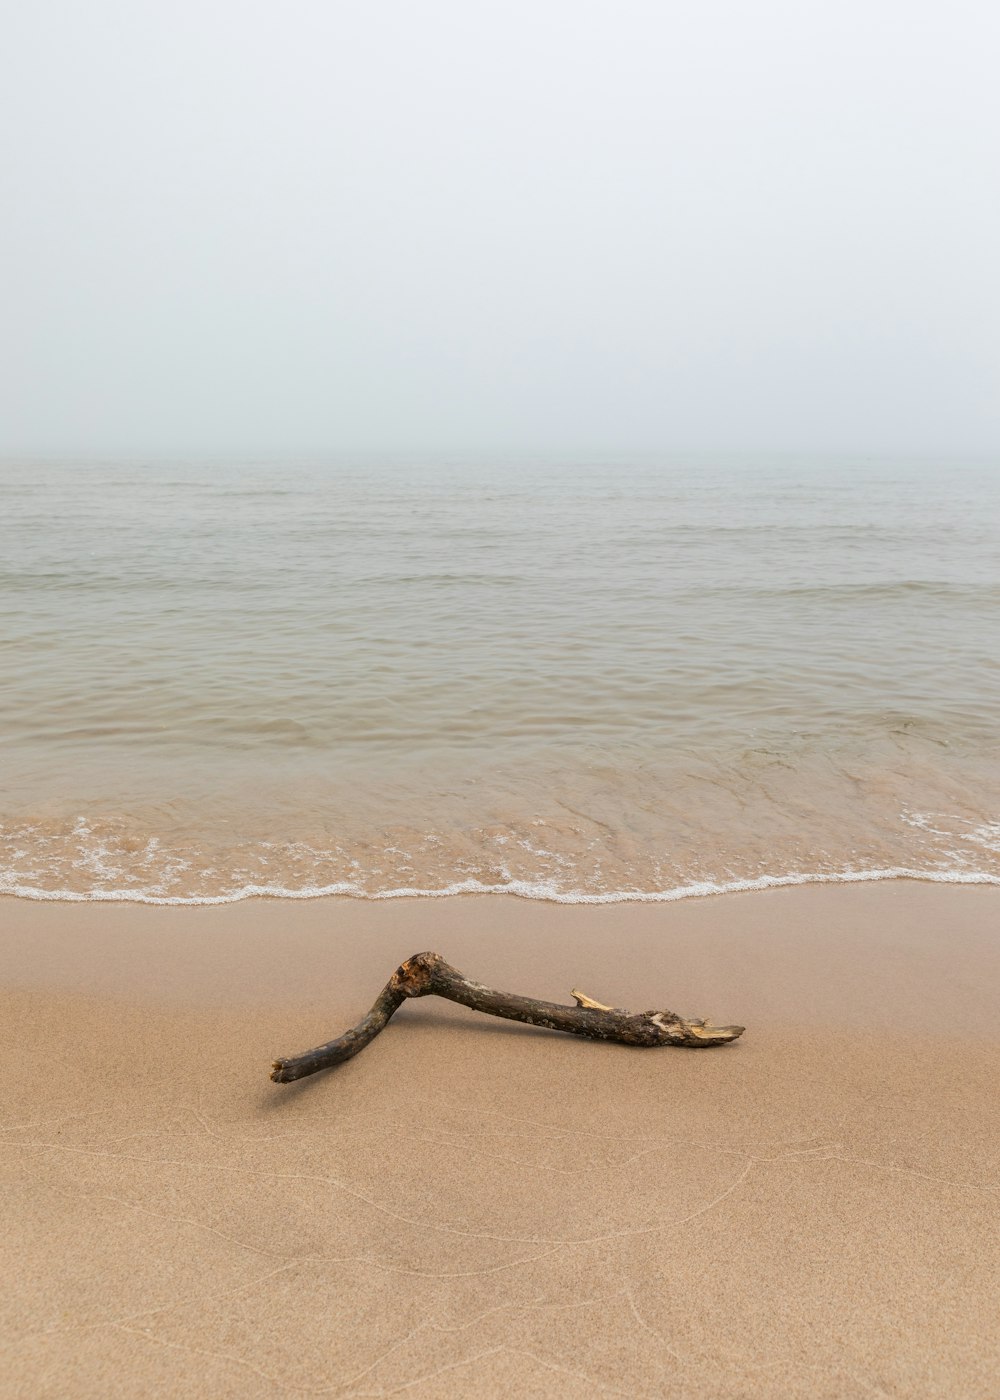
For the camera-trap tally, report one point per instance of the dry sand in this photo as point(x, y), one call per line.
point(473, 1208)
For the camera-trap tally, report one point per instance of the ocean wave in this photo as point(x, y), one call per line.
point(520, 889)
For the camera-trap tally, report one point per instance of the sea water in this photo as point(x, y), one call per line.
point(579, 680)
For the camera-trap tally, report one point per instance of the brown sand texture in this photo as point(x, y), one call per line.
point(473, 1208)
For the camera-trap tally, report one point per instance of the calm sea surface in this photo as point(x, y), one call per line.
point(597, 680)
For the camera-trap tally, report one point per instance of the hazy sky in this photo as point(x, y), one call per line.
point(234, 226)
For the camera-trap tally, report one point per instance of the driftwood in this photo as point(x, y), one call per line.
point(427, 974)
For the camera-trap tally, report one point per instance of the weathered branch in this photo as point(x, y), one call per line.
point(427, 974)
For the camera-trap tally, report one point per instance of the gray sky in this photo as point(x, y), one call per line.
point(235, 226)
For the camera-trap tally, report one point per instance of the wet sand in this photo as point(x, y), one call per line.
point(471, 1207)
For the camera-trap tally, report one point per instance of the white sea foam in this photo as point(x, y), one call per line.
point(521, 889)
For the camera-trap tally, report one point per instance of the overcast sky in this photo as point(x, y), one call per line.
point(550, 225)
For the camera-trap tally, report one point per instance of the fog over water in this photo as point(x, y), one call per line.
point(545, 447)
point(546, 227)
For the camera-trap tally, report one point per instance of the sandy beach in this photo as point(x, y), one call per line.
point(471, 1207)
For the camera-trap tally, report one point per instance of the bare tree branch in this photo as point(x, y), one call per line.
point(427, 974)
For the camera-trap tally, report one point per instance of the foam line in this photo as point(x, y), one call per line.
point(521, 889)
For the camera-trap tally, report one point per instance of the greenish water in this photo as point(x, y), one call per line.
point(591, 680)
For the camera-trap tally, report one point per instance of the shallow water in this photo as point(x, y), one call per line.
point(596, 680)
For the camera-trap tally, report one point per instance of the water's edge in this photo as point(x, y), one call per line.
point(519, 889)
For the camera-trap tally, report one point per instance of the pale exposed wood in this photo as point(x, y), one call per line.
point(427, 974)
point(582, 999)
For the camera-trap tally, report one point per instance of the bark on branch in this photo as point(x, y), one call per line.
point(427, 974)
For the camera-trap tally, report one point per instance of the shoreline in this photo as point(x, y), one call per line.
point(470, 1205)
point(517, 889)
